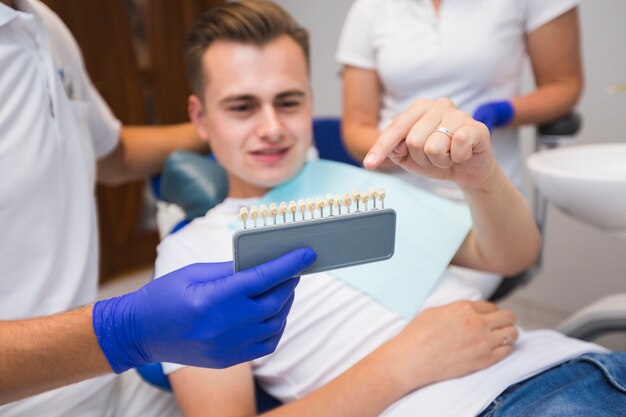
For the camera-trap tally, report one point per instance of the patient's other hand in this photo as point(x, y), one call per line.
point(459, 151)
point(451, 341)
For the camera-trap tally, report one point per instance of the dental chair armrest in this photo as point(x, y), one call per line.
point(559, 130)
point(603, 316)
point(193, 182)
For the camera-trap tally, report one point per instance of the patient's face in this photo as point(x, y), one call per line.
point(256, 112)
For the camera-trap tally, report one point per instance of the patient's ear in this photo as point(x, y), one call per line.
point(197, 115)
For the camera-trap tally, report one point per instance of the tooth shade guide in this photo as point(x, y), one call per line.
point(381, 197)
point(254, 214)
point(330, 202)
point(282, 210)
point(311, 206)
point(339, 203)
point(293, 208)
point(347, 201)
point(263, 212)
point(339, 241)
point(273, 211)
point(302, 208)
point(243, 216)
point(325, 206)
point(320, 205)
point(357, 199)
point(374, 197)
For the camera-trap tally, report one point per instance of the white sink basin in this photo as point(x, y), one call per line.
point(587, 182)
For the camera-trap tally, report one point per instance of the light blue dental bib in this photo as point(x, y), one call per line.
point(429, 232)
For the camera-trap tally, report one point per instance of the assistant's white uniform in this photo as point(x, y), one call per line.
point(331, 326)
point(473, 53)
point(53, 126)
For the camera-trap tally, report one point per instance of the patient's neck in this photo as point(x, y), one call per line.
point(240, 189)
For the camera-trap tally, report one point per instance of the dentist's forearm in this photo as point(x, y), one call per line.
point(504, 236)
point(143, 149)
point(41, 354)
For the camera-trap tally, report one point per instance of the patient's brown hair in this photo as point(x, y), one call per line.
point(255, 22)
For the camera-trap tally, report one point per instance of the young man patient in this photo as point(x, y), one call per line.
point(341, 353)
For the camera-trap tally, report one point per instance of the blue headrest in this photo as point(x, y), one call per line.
point(194, 182)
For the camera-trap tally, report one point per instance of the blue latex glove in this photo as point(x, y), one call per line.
point(495, 114)
point(201, 315)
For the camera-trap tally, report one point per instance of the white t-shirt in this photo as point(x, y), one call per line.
point(331, 326)
point(53, 127)
point(473, 53)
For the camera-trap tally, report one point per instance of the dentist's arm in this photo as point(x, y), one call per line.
point(504, 237)
point(142, 150)
point(185, 317)
point(40, 354)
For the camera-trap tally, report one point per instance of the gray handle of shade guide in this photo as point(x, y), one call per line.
point(339, 241)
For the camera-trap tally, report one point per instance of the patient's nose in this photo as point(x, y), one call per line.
point(269, 127)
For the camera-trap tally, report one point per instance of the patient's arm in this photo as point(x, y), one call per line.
point(440, 343)
point(215, 392)
point(504, 237)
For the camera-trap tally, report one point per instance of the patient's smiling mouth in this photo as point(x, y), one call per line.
point(270, 155)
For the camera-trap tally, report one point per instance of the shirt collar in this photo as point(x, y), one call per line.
point(6, 14)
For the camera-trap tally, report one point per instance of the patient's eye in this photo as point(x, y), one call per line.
point(289, 104)
point(241, 107)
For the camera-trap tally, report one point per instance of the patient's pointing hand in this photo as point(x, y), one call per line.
point(435, 139)
point(451, 341)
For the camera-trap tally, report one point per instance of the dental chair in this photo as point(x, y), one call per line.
point(196, 183)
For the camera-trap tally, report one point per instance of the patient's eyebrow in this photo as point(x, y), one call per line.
point(291, 93)
point(243, 97)
point(250, 97)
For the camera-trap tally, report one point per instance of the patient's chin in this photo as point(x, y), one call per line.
point(276, 178)
point(270, 183)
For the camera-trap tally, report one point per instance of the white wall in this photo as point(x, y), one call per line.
point(323, 18)
point(581, 264)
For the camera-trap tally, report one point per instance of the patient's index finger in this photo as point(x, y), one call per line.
point(484, 306)
point(264, 277)
point(394, 134)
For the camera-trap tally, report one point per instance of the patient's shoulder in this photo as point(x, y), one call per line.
point(205, 239)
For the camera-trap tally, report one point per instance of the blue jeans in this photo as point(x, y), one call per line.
point(593, 384)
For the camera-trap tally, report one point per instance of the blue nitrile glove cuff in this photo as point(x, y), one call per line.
point(201, 315)
point(495, 113)
point(116, 339)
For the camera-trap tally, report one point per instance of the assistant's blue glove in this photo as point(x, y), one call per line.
point(495, 114)
point(201, 315)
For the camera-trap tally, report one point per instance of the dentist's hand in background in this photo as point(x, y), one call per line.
point(495, 114)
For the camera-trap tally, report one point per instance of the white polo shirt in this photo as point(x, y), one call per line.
point(472, 52)
point(53, 126)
